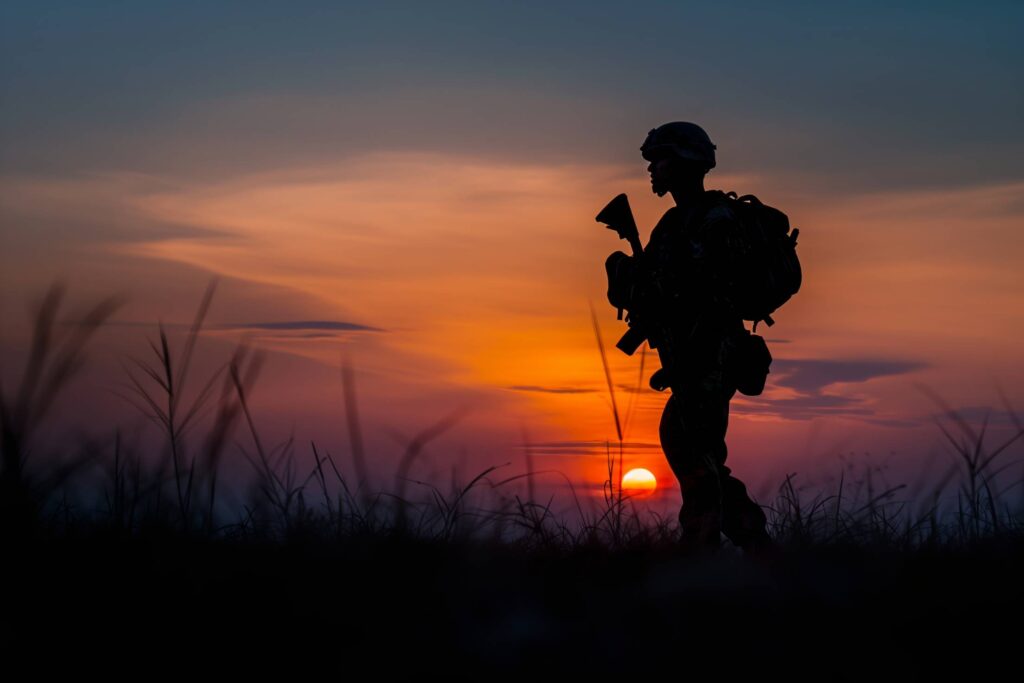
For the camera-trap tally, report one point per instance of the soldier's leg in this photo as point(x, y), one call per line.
point(692, 435)
point(743, 520)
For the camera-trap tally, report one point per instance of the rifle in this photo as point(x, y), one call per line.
point(617, 216)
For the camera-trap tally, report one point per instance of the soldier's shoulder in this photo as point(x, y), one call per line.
point(669, 223)
point(718, 208)
point(718, 218)
point(672, 213)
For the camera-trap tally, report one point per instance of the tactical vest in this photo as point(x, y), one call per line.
point(687, 289)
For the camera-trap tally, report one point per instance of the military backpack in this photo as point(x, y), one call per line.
point(768, 271)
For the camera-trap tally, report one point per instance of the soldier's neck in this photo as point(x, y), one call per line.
point(689, 194)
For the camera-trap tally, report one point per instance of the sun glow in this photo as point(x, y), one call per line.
point(639, 482)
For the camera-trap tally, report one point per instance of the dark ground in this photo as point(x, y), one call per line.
point(385, 608)
point(153, 604)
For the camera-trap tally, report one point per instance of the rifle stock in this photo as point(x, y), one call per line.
point(618, 216)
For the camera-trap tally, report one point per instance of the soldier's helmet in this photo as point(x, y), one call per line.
point(681, 138)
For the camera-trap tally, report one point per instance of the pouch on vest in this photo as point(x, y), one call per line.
point(748, 363)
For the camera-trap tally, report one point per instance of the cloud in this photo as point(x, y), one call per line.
point(816, 405)
point(301, 325)
point(46, 213)
point(799, 389)
point(810, 376)
point(587, 448)
point(287, 87)
point(134, 323)
point(310, 335)
point(634, 389)
point(551, 390)
point(803, 407)
point(315, 328)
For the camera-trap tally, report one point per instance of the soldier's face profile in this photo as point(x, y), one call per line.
point(661, 175)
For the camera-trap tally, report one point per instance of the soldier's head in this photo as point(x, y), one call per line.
point(680, 153)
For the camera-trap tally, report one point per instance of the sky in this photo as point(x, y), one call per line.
point(414, 190)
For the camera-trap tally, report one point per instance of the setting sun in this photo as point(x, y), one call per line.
point(639, 482)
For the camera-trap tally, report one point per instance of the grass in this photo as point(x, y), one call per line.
point(472, 573)
point(180, 491)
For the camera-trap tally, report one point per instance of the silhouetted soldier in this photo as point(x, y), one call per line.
point(680, 288)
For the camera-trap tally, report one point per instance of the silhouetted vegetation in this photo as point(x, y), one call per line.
point(473, 575)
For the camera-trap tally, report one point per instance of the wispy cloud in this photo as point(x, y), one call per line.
point(551, 390)
point(302, 325)
point(812, 375)
point(315, 328)
point(818, 405)
point(809, 378)
point(588, 448)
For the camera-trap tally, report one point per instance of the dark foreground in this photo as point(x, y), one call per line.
point(380, 608)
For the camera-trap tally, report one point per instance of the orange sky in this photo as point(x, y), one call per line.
point(478, 276)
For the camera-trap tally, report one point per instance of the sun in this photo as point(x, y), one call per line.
point(639, 482)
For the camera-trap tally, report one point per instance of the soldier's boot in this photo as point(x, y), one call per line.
point(745, 525)
point(701, 532)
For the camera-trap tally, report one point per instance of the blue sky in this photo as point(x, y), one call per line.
point(904, 94)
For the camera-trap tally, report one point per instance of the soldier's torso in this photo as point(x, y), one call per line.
point(690, 332)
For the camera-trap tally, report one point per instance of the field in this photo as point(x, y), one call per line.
point(148, 572)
